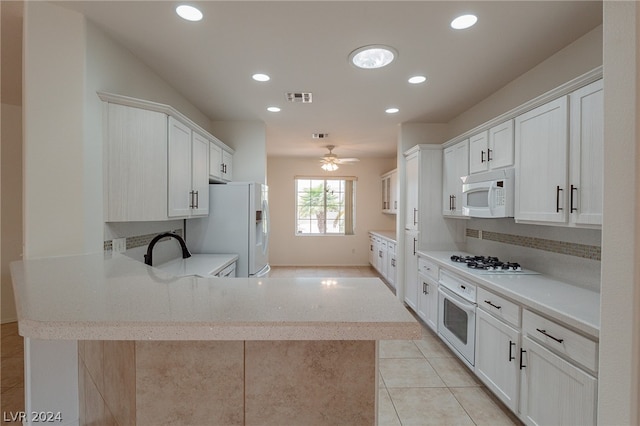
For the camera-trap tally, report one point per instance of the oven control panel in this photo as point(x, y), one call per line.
point(458, 285)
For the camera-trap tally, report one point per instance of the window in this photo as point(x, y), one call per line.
point(325, 206)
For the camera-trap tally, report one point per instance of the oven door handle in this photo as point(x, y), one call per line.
point(457, 300)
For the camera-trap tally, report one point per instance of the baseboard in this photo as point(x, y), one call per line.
point(8, 320)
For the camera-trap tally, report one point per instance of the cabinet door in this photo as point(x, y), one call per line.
point(200, 175)
point(411, 213)
point(428, 301)
point(455, 165)
point(501, 144)
point(411, 270)
point(179, 188)
point(385, 194)
point(497, 362)
point(135, 165)
point(541, 163)
point(372, 252)
point(391, 267)
point(554, 392)
point(227, 166)
point(215, 161)
point(479, 153)
point(393, 192)
point(586, 151)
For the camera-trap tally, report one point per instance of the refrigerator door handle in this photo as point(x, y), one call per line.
point(264, 272)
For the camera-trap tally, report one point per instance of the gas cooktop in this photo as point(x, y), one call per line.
point(490, 265)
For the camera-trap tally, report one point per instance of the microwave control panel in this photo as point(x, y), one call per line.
point(499, 194)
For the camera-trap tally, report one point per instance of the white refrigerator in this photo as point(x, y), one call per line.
point(238, 223)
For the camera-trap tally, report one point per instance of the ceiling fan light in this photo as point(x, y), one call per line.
point(329, 167)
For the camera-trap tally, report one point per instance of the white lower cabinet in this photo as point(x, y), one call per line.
point(391, 263)
point(497, 363)
point(382, 256)
point(557, 374)
point(553, 391)
point(428, 301)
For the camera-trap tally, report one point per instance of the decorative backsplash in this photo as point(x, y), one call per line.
point(139, 240)
point(562, 247)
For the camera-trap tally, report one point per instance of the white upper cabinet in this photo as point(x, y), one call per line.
point(156, 162)
point(188, 171)
point(389, 186)
point(455, 165)
point(586, 155)
point(559, 160)
point(135, 164)
point(501, 146)
point(491, 149)
point(220, 164)
point(541, 163)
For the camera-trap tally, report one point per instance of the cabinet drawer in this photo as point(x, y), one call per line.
point(427, 268)
point(391, 247)
point(560, 339)
point(499, 307)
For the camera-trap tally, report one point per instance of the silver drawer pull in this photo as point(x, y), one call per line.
point(549, 336)
point(488, 302)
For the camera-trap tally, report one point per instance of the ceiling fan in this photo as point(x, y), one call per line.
point(330, 160)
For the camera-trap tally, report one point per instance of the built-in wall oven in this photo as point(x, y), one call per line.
point(457, 315)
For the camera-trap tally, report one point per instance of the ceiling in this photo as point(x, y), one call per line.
point(304, 47)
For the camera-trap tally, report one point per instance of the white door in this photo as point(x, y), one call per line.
point(179, 185)
point(554, 392)
point(541, 163)
point(587, 152)
point(497, 361)
point(200, 175)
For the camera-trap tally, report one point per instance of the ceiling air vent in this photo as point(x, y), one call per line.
point(299, 97)
point(319, 135)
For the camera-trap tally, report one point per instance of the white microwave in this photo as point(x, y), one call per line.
point(488, 194)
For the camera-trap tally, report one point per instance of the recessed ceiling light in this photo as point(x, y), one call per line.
point(417, 79)
point(261, 77)
point(189, 13)
point(273, 109)
point(373, 56)
point(464, 21)
point(391, 110)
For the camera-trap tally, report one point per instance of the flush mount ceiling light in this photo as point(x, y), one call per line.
point(391, 110)
point(464, 22)
point(417, 79)
point(273, 109)
point(261, 77)
point(189, 13)
point(373, 56)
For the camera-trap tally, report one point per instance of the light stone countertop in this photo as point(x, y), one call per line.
point(202, 265)
point(113, 297)
point(574, 306)
point(389, 235)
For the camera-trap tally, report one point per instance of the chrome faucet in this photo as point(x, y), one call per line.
point(148, 257)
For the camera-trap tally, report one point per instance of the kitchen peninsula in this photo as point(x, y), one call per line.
point(158, 349)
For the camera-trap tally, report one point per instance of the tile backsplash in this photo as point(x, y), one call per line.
point(140, 240)
point(562, 247)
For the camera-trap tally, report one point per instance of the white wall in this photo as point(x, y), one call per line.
point(285, 248)
point(619, 378)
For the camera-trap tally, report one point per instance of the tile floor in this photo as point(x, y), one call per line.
point(421, 381)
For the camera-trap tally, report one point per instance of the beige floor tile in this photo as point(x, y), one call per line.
point(12, 346)
point(409, 373)
point(399, 349)
point(453, 372)
point(12, 372)
point(387, 415)
point(432, 347)
point(483, 408)
point(428, 406)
